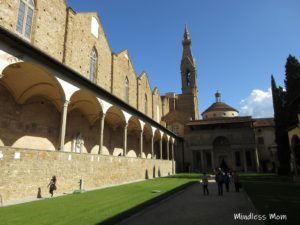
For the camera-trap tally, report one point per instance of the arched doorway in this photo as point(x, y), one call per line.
point(222, 156)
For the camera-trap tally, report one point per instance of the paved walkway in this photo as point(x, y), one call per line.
point(190, 207)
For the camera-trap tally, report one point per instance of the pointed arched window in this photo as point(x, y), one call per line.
point(146, 104)
point(93, 65)
point(126, 89)
point(25, 17)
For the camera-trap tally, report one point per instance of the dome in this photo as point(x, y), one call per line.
point(219, 109)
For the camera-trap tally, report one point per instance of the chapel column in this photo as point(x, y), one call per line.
point(212, 159)
point(63, 125)
point(244, 160)
point(202, 161)
point(256, 159)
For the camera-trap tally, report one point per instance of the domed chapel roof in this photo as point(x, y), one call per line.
point(219, 106)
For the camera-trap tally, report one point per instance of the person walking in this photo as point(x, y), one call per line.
point(227, 181)
point(220, 179)
point(52, 185)
point(205, 184)
point(236, 180)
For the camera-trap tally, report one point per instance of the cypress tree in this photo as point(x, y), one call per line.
point(281, 136)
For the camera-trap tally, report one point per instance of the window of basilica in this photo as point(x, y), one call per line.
point(126, 90)
point(93, 65)
point(25, 18)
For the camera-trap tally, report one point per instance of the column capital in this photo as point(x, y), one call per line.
point(66, 103)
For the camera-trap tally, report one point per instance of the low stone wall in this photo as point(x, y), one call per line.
point(23, 171)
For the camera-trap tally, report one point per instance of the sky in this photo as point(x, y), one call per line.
point(237, 44)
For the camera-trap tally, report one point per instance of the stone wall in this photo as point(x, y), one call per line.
point(79, 44)
point(9, 14)
point(122, 68)
point(156, 105)
point(34, 124)
point(49, 27)
point(144, 89)
point(23, 171)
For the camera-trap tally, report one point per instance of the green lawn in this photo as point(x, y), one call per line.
point(274, 194)
point(95, 207)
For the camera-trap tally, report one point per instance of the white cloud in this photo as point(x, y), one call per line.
point(258, 104)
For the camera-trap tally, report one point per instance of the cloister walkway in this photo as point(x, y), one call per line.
point(190, 207)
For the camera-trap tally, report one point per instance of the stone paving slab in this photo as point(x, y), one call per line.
point(190, 207)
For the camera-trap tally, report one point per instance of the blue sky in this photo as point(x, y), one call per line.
point(237, 44)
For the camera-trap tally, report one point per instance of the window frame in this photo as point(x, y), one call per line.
point(93, 65)
point(24, 19)
point(146, 104)
point(126, 89)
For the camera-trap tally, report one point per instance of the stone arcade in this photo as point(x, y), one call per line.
point(59, 112)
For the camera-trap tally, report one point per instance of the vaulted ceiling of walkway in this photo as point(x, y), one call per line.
point(25, 80)
point(134, 126)
point(87, 103)
point(157, 135)
point(115, 117)
point(147, 131)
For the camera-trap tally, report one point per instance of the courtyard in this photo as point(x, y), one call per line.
point(176, 199)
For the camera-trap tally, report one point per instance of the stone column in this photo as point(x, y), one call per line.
point(244, 160)
point(152, 146)
point(141, 143)
point(212, 159)
point(173, 158)
point(202, 161)
point(125, 140)
point(160, 148)
point(168, 149)
point(256, 159)
point(63, 125)
point(101, 118)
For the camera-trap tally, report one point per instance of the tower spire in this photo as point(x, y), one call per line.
point(186, 33)
point(186, 37)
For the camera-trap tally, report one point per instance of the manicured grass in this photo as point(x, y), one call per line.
point(103, 206)
point(274, 194)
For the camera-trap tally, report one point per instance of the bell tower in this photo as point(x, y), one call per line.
point(189, 96)
point(188, 66)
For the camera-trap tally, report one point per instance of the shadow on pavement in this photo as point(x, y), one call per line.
point(132, 211)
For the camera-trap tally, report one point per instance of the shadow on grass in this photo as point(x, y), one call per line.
point(126, 214)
